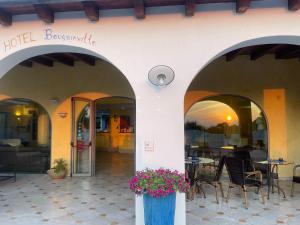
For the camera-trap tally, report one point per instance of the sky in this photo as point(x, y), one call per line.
point(210, 113)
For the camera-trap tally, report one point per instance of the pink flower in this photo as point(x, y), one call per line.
point(158, 183)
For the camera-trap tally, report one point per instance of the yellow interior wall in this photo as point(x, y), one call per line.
point(43, 130)
point(103, 141)
point(114, 140)
point(275, 109)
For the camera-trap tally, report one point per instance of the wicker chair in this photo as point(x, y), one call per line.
point(241, 174)
point(296, 179)
point(211, 178)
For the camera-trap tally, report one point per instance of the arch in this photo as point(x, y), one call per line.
point(219, 94)
point(212, 95)
point(6, 97)
point(62, 125)
point(13, 59)
point(279, 39)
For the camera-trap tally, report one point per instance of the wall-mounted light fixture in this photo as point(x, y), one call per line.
point(62, 114)
point(161, 75)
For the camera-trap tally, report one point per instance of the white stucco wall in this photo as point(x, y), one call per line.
point(186, 44)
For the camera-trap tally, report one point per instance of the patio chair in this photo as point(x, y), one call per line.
point(212, 179)
point(296, 179)
point(241, 174)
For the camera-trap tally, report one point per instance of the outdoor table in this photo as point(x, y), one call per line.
point(273, 165)
point(192, 165)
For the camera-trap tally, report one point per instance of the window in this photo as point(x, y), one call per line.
point(102, 122)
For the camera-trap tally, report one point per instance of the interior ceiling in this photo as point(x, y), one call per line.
point(280, 51)
point(65, 58)
point(115, 103)
point(46, 9)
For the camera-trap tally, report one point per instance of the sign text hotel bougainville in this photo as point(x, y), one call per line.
point(25, 38)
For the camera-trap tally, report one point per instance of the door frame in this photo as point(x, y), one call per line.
point(92, 147)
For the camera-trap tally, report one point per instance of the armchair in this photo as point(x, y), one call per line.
point(241, 174)
point(296, 179)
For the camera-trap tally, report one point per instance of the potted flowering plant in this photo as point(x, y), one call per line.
point(159, 188)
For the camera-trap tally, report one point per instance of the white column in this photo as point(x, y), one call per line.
point(160, 121)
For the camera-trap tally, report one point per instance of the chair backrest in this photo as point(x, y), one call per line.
point(235, 168)
point(244, 155)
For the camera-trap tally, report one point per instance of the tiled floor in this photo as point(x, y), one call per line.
point(102, 200)
point(106, 200)
point(275, 211)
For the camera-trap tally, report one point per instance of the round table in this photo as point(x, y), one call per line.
point(273, 166)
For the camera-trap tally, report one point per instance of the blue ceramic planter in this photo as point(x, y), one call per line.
point(159, 211)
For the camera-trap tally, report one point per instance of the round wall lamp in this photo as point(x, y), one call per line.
point(161, 75)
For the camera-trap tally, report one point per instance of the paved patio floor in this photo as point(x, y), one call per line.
point(276, 210)
point(36, 199)
point(106, 200)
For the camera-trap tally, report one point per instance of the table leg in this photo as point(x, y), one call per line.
point(278, 187)
point(269, 179)
point(271, 171)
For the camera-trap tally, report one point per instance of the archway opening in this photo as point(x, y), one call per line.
point(79, 93)
point(115, 136)
point(217, 124)
point(25, 126)
point(261, 86)
point(104, 136)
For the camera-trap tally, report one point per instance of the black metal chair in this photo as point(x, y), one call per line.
point(212, 179)
point(241, 174)
point(8, 159)
point(296, 179)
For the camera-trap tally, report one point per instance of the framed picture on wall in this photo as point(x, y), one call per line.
point(125, 125)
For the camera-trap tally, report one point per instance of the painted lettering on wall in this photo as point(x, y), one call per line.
point(18, 41)
point(87, 38)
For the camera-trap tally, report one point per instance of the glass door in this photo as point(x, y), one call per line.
point(82, 145)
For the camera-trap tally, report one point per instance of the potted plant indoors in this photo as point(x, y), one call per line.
point(59, 170)
point(159, 188)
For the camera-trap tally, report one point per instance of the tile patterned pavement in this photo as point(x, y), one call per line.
point(276, 210)
point(101, 200)
point(106, 200)
point(36, 199)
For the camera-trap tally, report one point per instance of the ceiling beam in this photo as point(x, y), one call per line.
point(190, 6)
point(242, 5)
point(44, 12)
point(88, 59)
point(42, 61)
point(27, 63)
point(294, 5)
point(62, 58)
point(288, 53)
point(261, 50)
point(231, 55)
point(91, 10)
point(139, 9)
point(5, 18)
